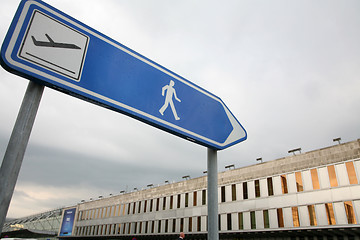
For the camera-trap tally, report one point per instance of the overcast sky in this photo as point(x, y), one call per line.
point(288, 70)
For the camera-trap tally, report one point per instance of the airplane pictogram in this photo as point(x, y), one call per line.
point(53, 44)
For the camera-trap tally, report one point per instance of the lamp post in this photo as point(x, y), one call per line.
point(294, 150)
point(230, 166)
point(337, 140)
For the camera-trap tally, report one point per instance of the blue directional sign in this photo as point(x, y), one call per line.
point(47, 46)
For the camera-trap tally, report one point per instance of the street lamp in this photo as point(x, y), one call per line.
point(230, 166)
point(294, 150)
point(186, 177)
point(259, 159)
point(337, 140)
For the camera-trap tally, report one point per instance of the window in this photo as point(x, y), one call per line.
point(199, 224)
point(284, 184)
point(315, 179)
point(159, 226)
point(223, 194)
point(299, 184)
point(145, 206)
point(157, 204)
point(181, 225)
point(129, 208)
point(266, 218)
point(152, 226)
point(124, 228)
point(195, 199)
point(240, 220)
point(257, 188)
point(166, 225)
point(98, 213)
point(350, 212)
point(233, 192)
point(186, 199)
point(146, 227)
point(280, 217)
point(178, 200)
point(245, 190)
point(139, 208)
point(270, 186)
point(164, 203)
point(114, 211)
point(330, 213)
point(203, 197)
point(351, 172)
point(312, 215)
point(219, 222)
point(332, 176)
point(134, 208)
point(229, 222)
point(190, 224)
point(151, 204)
point(124, 206)
point(174, 225)
point(135, 227)
point(252, 220)
point(295, 215)
point(171, 202)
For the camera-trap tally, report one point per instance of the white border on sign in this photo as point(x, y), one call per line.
point(237, 133)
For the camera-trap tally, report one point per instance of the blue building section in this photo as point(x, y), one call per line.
point(67, 222)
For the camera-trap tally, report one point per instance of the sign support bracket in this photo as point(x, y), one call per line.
point(212, 187)
point(16, 148)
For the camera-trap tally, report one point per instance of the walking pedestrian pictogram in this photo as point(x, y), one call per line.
point(170, 92)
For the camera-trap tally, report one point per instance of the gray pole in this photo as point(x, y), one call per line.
point(213, 231)
point(15, 151)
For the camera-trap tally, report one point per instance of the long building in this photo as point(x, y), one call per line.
point(312, 195)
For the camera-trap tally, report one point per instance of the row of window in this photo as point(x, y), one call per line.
point(144, 206)
point(305, 180)
point(313, 177)
point(273, 218)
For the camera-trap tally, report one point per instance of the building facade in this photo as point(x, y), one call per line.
point(310, 195)
point(313, 195)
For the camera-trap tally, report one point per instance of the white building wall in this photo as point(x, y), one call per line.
point(291, 182)
point(324, 177)
point(304, 216)
point(321, 217)
point(342, 174)
point(263, 188)
point(273, 218)
point(246, 217)
point(259, 219)
point(307, 182)
point(277, 185)
point(288, 220)
point(251, 189)
point(340, 214)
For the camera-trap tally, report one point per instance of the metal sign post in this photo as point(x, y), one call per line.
point(213, 225)
point(15, 151)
